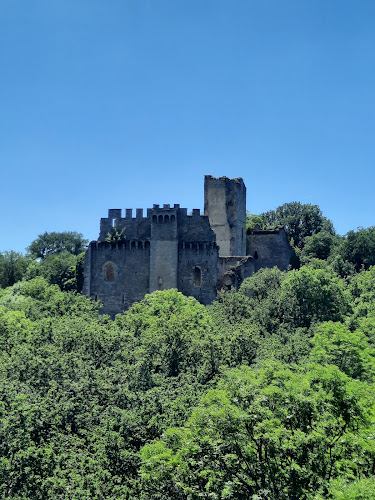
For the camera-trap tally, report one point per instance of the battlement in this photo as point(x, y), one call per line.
point(197, 253)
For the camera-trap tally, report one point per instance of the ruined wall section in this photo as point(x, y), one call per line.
point(225, 206)
point(117, 274)
point(269, 248)
point(233, 270)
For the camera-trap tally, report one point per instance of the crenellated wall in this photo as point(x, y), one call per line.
point(131, 273)
point(197, 253)
point(197, 269)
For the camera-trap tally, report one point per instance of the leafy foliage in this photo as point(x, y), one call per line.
point(13, 266)
point(53, 243)
point(299, 220)
point(273, 432)
point(267, 393)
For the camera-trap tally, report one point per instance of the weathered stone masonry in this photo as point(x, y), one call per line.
point(197, 254)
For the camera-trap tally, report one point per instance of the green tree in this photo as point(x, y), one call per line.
point(299, 220)
point(60, 269)
point(271, 433)
point(54, 243)
point(358, 248)
point(334, 343)
point(252, 220)
point(13, 267)
point(172, 334)
point(313, 295)
point(318, 246)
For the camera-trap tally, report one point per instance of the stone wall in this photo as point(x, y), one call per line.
point(197, 254)
point(129, 282)
point(225, 206)
point(197, 270)
point(233, 270)
point(269, 249)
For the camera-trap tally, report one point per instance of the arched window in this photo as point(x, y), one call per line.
point(173, 218)
point(109, 271)
point(160, 218)
point(154, 218)
point(166, 218)
point(197, 276)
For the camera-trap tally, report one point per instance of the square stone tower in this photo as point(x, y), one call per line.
point(225, 206)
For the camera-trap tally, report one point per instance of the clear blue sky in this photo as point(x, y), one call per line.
point(126, 103)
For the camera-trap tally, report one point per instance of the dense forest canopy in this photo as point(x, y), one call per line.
point(268, 393)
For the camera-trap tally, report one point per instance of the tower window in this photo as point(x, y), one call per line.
point(197, 276)
point(109, 271)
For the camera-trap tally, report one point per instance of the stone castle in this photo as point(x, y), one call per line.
point(196, 253)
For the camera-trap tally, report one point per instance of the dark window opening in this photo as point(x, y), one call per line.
point(255, 254)
point(197, 276)
point(154, 218)
point(109, 272)
point(167, 218)
point(160, 218)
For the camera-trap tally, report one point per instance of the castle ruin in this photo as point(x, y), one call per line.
point(198, 254)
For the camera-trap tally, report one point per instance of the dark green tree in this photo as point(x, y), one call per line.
point(273, 433)
point(60, 269)
point(299, 220)
point(358, 248)
point(53, 243)
point(13, 267)
point(318, 246)
point(311, 295)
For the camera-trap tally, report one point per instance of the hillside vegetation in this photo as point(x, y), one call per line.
point(266, 394)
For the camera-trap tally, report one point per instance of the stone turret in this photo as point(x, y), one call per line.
point(225, 206)
point(164, 248)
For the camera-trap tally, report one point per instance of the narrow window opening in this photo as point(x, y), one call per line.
point(113, 222)
point(255, 254)
point(109, 272)
point(160, 218)
point(197, 276)
point(154, 218)
point(96, 298)
point(167, 218)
